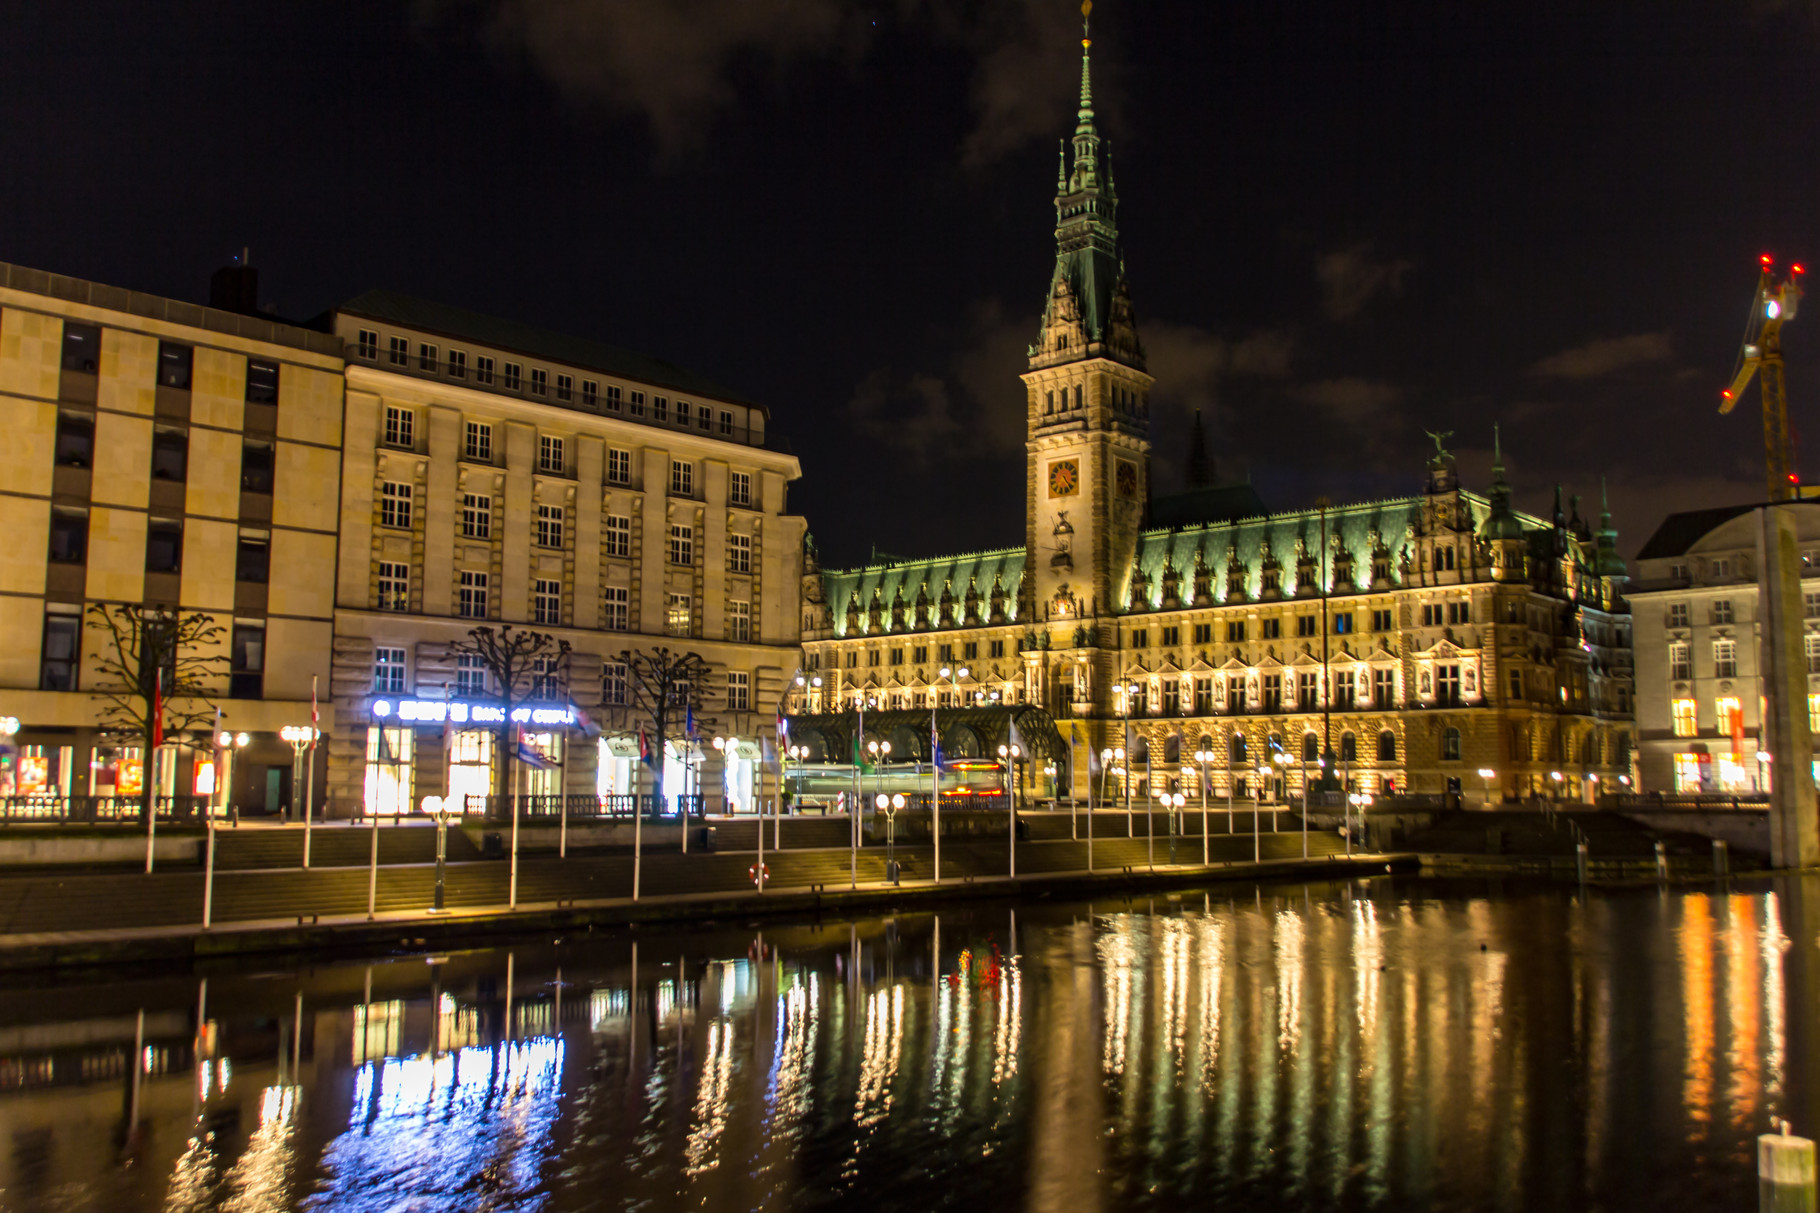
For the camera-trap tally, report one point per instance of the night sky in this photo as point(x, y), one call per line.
point(1343, 223)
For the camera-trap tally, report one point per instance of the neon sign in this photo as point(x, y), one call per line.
point(437, 711)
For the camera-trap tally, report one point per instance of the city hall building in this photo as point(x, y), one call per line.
point(1411, 642)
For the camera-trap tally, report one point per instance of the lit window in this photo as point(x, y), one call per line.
point(388, 671)
point(1730, 715)
point(394, 586)
point(390, 762)
point(395, 505)
point(1686, 724)
point(678, 618)
point(473, 598)
point(1813, 715)
point(619, 535)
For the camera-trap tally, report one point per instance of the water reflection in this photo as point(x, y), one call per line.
point(1385, 1045)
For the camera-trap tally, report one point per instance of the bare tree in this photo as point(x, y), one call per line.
point(522, 667)
point(665, 687)
point(138, 642)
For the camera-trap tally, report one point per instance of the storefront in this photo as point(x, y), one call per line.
point(433, 747)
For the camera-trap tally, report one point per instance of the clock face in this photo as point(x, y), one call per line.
point(1127, 479)
point(1064, 478)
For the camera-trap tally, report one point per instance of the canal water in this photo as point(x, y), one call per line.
point(1394, 1043)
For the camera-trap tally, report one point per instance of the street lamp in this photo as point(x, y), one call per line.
point(953, 678)
point(1008, 756)
point(889, 805)
point(1203, 757)
point(1282, 760)
point(1486, 775)
point(1257, 806)
point(438, 810)
point(303, 739)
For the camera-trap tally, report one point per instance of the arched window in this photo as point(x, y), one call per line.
point(1349, 747)
point(1387, 746)
point(1450, 745)
point(1275, 743)
point(1206, 744)
point(1238, 755)
point(1140, 749)
point(1311, 748)
point(1172, 748)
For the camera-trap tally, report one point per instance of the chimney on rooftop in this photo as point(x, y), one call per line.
point(235, 286)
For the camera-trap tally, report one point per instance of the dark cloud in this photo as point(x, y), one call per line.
point(1353, 277)
point(1607, 356)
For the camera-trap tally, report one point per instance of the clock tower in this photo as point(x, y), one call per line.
point(1087, 402)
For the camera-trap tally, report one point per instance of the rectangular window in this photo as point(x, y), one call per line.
point(62, 651)
point(590, 393)
point(514, 376)
point(549, 526)
point(897, 656)
point(1203, 633)
point(546, 602)
point(1729, 714)
point(619, 467)
point(546, 679)
point(565, 387)
point(164, 546)
point(1306, 625)
point(1813, 653)
point(1722, 569)
point(1203, 697)
point(426, 356)
point(483, 369)
point(400, 351)
point(1273, 692)
point(944, 652)
point(1447, 683)
point(262, 383)
point(1308, 690)
point(540, 381)
point(613, 398)
point(1235, 631)
point(470, 674)
point(613, 690)
point(1811, 604)
point(549, 455)
point(635, 404)
point(472, 603)
point(1342, 623)
point(81, 348)
point(970, 650)
point(75, 440)
point(253, 558)
point(660, 408)
point(726, 423)
point(1725, 659)
point(619, 535)
point(682, 543)
point(1686, 721)
point(704, 417)
point(1345, 691)
point(1722, 610)
point(170, 454)
point(678, 618)
point(478, 445)
point(1172, 635)
point(1459, 612)
point(739, 489)
point(1680, 661)
point(739, 691)
point(400, 427)
point(1431, 614)
point(395, 505)
point(919, 653)
point(246, 664)
point(616, 600)
point(458, 364)
point(1813, 709)
point(995, 648)
point(69, 536)
point(682, 478)
point(872, 657)
point(476, 516)
point(394, 586)
point(739, 622)
point(739, 553)
point(1382, 620)
point(388, 671)
point(1383, 688)
point(1678, 614)
point(366, 344)
point(1140, 638)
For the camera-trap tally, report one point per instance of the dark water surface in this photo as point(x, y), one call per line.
point(1391, 1044)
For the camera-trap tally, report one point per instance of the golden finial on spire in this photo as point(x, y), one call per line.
point(1086, 14)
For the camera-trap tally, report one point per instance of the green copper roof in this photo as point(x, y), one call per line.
point(902, 582)
point(1086, 223)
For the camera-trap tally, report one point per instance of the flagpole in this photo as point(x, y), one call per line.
point(309, 773)
point(208, 875)
point(148, 766)
point(512, 892)
point(562, 800)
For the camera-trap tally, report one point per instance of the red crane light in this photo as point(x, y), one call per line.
point(1725, 393)
point(1797, 269)
point(1767, 260)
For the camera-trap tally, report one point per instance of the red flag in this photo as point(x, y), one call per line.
point(158, 708)
point(644, 746)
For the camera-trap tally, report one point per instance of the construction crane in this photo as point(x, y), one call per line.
point(1773, 307)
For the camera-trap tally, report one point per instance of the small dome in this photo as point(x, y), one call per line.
point(1500, 524)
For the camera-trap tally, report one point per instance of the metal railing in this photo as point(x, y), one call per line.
point(96, 810)
point(583, 807)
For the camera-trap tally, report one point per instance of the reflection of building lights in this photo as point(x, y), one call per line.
point(711, 1098)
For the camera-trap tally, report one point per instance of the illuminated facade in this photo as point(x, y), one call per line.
point(1699, 696)
point(1412, 642)
point(163, 453)
point(497, 474)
